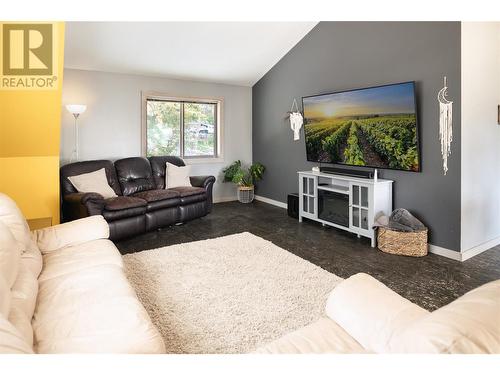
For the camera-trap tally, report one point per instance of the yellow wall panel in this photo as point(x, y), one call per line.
point(33, 182)
point(30, 122)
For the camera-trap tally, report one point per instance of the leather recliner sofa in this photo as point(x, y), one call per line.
point(142, 203)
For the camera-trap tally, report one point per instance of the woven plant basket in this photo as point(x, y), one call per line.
point(245, 194)
point(413, 244)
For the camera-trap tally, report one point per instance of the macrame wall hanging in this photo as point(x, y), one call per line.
point(445, 125)
point(296, 120)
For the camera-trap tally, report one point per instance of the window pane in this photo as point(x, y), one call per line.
point(199, 129)
point(163, 128)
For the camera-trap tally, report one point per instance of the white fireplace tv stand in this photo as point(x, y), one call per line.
point(348, 203)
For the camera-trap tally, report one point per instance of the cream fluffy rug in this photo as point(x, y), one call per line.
point(227, 295)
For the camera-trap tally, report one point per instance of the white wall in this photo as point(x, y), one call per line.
point(480, 217)
point(111, 126)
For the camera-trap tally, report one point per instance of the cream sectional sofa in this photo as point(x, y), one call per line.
point(63, 290)
point(365, 316)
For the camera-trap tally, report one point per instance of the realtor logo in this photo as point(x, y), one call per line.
point(28, 56)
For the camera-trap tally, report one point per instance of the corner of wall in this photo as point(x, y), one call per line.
point(480, 164)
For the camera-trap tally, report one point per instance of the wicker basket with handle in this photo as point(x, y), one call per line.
point(412, 244)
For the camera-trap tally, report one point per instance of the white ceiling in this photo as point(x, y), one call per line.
point(237, 53)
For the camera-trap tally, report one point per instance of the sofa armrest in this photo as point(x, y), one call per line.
point(71, 233)
point(202, 181)
point(371, 312)
point(79, 205)
point(206, 182)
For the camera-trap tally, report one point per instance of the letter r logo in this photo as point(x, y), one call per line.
point(27, 49)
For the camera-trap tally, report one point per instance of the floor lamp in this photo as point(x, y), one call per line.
point(76, 110)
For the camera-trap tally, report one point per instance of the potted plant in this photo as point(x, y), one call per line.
point(245, 178)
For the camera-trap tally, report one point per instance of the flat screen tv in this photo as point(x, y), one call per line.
point(371, 127)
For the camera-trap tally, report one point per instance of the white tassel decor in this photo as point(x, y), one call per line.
point(296, 120)
point(445, 125)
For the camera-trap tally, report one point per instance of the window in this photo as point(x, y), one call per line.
point(188, 128)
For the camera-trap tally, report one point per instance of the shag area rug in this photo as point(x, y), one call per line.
point(227, 295)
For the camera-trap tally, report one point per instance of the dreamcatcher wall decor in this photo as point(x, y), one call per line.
point(296, 120)
point(445, 124)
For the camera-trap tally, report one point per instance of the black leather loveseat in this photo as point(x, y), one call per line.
point(143, 204)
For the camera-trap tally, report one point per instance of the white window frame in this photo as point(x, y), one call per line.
point(219, 136)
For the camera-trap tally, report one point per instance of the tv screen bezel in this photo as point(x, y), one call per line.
point(417, 124)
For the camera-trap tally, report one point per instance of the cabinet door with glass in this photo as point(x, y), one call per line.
point(360, 208)
point(308, 196)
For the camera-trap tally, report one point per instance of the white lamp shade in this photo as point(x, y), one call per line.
point(76, 109)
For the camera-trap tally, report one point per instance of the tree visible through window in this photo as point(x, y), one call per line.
point(181, 128)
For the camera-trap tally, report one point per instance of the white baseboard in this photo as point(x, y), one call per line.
point(225, 199)
point(438, 250)
point(473, 251)
point(257, 198)
point(466, 254)
point(271, 201)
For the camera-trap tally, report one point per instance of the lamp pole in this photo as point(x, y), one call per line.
point(76, 110)
point(75, 151)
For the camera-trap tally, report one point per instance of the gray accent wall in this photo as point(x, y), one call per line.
point(338, 56)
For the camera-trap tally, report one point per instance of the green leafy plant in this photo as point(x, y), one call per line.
point(242, 176)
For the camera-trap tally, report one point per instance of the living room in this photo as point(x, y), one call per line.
point(289, 187)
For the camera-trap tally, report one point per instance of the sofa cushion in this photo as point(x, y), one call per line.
point(468, 325)
point(81, 167)
point(370, 312)
point(24, 291)
point(158, 166)
point(134, 175)
point(71, 233)
point(24, 295)
point(88, 306)
point(190, 194)
point(10, 255)
point(11, 340)
point(157, 194)
point(123, 203)
point(186, 191)
point(18, 286)
point(190, 199)
point(111, 216)
point(33, 261)
point(12, 217)
point(22, 322)
point(78, 257)
point(5, 297)
point(177, 176)
point(159, 198)
point(93, 182)
point(165, 203)
point(323, 336)
point(123, 207)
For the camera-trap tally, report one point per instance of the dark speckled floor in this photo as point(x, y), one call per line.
point(431, 281)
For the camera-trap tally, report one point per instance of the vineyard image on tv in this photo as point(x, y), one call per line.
point(373, 127)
